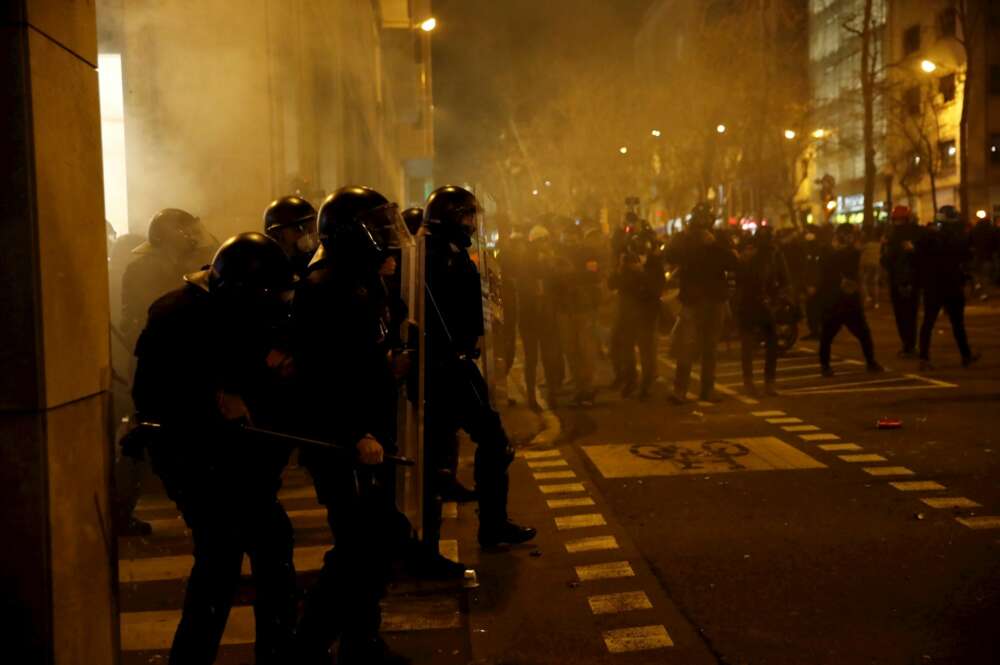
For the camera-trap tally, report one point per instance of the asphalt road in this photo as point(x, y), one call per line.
point(791, 530)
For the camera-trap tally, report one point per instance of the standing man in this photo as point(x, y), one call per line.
point(291, 222)
point(457, 395)
point(345, 370)
point(206, 365)
point(703, 260)
point(944, 255)
point(900, 262)
point(761, 280)
point(840, 299)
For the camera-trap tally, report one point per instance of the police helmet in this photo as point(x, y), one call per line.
point(446, 213)
point(359, 226)
point(287, 211)
point(247, 266)
point(702, 216)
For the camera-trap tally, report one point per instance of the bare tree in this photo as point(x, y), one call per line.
point(914, 113)
point(870, 33)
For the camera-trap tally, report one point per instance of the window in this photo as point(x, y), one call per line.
point(946, 86)
point(911, 100)
point(995, 79)
point(947, 20)
point(994, 148)
point(947, 154)
point(911, 40)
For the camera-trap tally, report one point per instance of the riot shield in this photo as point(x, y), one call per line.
point(484, 252)
point(409, 480)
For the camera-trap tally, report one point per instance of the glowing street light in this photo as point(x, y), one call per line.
point(656, 133)
point(928, 66)
point(819, 134)
point(721, 129)
point(831, 205)
point(534, 192)
point(548, 183)
point(623, 150)
point(980, 214)
point(790, 134)
point(429, 24)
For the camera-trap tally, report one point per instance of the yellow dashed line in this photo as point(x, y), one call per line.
point(643, 638)
point(579, 521)
point(604, 571)
point(614, 603)
point(593, 544)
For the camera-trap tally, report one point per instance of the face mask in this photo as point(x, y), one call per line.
point(308, 243)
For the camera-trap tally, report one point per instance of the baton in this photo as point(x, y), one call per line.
point(298, 440)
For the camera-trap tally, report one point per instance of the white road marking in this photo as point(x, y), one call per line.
point(563, 488)
point(784, 421)
point(592, 544)
point(604, 571)
point(615, 603)
point(819, 437)
point(767, 414)
point(888, 471)
point(916, 485)
point(936, 382)
point(539, 454)
point(801, 428)
point(862, 458)
point(835, 447)
point(949, 502)
point(554, 475)
point(570, 503)
point(179, 566)
point(980, 522)
point(623, 640)
point(579, 521)
point(833, 391)
point(449, 549)
point(547, 463)
point(449, 510)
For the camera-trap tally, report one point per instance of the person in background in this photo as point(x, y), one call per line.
point(899, 259)
point(871, 267)
point(291, 222)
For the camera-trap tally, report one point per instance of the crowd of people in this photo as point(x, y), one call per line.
point(295, 337)
point(577, 297)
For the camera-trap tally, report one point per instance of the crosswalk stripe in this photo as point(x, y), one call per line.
point(175, 526)
point(178, 567)
point(819, 437)
point(784, 421)
point(554, 475)
point(604, 571)
point(888, 471)
point(980, 522)
point(579, 521)
point(623, 640)
point(918, 486)
point(949, 502)
point(449, 510)
point(592, 544)
point(562, 488)
point(834, 447)
point(614, 603)
point(546, 464)
point(800, 428)
point(571, 503)
point(161, 502)
point(540, 454)
point(767, 414)
point(862, 458)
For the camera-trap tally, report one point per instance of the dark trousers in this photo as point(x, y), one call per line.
point(954, 306)
point(696, 337)
point(540, 337)
point(849, 313)
point(754, 328)
point(221, 537)
point(814, 314)
point(639, 331)
point(457, 398)
point(905, 304)
point(344, 602)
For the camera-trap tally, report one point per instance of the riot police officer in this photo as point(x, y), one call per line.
point(205, 365)
point(291, 222)
point(900, 261)
point(341, 343)
point(457, 396)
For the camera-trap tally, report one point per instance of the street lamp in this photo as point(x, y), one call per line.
point(928, 66)
point(429, 25)
point(548, 183)
point(534, 192)
point(790, 134)
point(656, 133)
point(980, 214)
point(721, 129)
point(623, 150)
point(819, 134)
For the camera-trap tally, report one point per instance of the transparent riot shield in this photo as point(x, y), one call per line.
point(484, 252)
point(409, 490)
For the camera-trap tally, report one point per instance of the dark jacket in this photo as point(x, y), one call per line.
point(454, 303)
point(640, 288)
point(943, 256)
point(703, 266)
point(760, 279)
point(900, 262)
point(840, 277)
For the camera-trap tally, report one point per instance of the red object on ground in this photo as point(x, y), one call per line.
point(889, 423)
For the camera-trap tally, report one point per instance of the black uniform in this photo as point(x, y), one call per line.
point(944, 255)
point(761, 278)
point(639, 286)
point(900, 261)
point(224, 483)
point(841, 305)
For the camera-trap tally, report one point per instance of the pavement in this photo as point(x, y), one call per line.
point(757, 530)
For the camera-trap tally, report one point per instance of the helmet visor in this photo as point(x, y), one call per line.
point(385, 224)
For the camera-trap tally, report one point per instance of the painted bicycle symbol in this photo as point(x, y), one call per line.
point(691, 458)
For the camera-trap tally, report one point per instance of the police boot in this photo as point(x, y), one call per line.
point(504, 533)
